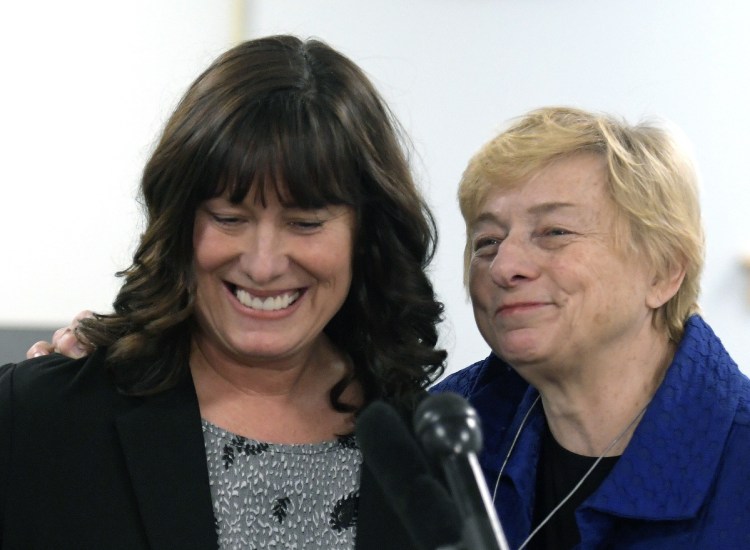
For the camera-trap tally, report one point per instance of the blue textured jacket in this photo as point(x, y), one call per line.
point(682, 482)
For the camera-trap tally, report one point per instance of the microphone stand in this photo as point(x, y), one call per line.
point(449, 430)
point(481, 530)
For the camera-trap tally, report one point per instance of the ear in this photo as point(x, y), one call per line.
point(665, 284)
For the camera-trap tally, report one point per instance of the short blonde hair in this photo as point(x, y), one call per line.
point(650, 178)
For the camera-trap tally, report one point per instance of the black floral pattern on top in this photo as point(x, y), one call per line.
point(280, 507)
point(285, 496)
point(240, 445)
point(344, 515)
point(348, 441)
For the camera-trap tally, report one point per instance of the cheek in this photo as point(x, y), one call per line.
point(205, 289)
point(580, 276)
point(477, 291)
point(611, 290)
point(208, 261)
point(200, 263)
point(342, 271)
point(335, 272)
point(210, 251)
point(201, 248)
point(481, 296)
point(328, 259)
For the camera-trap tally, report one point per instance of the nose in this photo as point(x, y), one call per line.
point(264, 256)
point(513, 263)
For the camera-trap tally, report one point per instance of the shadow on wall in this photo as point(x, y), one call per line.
point(15, 341)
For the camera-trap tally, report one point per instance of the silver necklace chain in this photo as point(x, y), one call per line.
point(580, 481)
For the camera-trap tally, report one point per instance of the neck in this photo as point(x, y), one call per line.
point(282, 378)
point(587, 412)
point(281, 401)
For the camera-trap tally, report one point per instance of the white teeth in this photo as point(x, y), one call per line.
point(272, 303)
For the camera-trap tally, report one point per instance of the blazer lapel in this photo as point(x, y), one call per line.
point(163, 445)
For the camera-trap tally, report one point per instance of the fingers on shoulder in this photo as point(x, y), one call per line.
point(40, 348)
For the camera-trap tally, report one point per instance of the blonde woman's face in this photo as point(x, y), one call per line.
point(550, 290)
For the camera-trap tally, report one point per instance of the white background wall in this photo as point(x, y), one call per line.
point(87, 84)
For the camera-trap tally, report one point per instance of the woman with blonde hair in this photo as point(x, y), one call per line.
point(613, 417)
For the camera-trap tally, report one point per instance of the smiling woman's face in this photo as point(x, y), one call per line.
point(548, 285)
point(269, 277)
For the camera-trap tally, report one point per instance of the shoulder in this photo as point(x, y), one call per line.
point(463, 381)
point(700, 344)
point(492, 387)
point(719, 400)
point(490, 375)
point(43, 402)
point(53, 392)
point(50, 375)
point(702, 360)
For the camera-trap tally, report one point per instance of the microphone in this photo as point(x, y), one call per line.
point(448, 428)
point(391, 452)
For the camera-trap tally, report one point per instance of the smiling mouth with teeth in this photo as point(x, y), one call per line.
point(271, 303)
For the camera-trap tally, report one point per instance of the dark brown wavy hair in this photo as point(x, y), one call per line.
point(298, 114)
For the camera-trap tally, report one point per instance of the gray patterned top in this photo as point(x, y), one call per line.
point(268, 495)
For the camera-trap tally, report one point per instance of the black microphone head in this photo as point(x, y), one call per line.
point(446, 424)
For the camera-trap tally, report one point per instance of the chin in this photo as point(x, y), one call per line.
point(258, 350)
point(520, 355)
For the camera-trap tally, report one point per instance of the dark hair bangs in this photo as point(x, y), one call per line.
point(287, 145)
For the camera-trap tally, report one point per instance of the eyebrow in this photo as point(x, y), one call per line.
point(536, 210)
point(547, 207)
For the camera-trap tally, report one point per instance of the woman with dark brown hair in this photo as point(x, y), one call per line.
point(278, 287)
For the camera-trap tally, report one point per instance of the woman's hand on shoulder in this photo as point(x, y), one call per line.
point(64, 341)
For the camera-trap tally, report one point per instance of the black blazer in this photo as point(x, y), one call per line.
point(83, 466)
